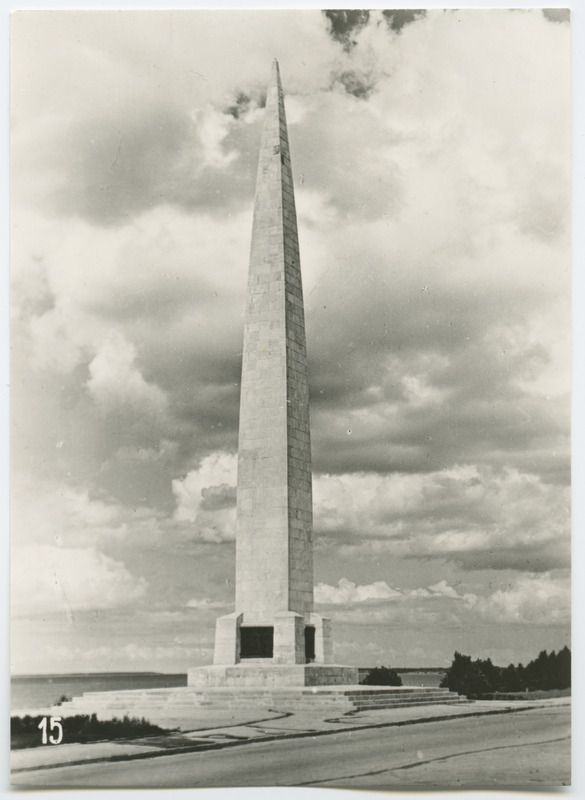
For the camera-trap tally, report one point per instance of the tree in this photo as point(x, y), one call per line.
point(564, 668)
point(479, 677)
point(512, 678)
point(465, 676)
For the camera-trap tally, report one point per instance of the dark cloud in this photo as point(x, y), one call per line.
point(344, 452)
point(482, 409)
point(69, 438)
point(361, 316)
point(538, 558)
point(244, 103)
point(240, 106)
point(519, 430)
point(112, 169)
point(209, 418)
point(398, 18)
point(162, 296)
point(345, 23)
point(356, 83)
point(115, 168)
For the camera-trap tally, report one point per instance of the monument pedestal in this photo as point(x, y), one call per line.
point(263, 673)
point(285, 638)
point(287, 650)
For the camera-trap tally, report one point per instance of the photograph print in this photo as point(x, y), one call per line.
point(290, 398)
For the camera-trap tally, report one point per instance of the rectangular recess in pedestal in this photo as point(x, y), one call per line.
point(310, 643)
point(256, 642)
point(274, 558)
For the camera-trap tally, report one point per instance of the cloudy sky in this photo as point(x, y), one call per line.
point(431, 161)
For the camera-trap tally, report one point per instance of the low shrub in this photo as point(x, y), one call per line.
point(65, 698)
point(382, 676)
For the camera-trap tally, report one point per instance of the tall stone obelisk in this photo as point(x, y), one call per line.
point(274, 558)
point(273, 637)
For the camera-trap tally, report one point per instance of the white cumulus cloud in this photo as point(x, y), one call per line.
point(541, 599)
point(47, 579)
point(347, 593)
point(203, 604)
point(206, 497)
point(115, 378)
point(477, 516)
point(56, 513)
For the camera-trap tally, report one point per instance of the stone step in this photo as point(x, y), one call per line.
point(188, 694)
point(196, 698)
point(409, 705)
point(203, 697)
point(145, 709)
point(183, 701)
point(398, 696)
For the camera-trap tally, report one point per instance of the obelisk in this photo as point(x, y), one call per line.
point(274, 555)
point(273, 637)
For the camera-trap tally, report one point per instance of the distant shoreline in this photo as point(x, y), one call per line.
point(73, 675)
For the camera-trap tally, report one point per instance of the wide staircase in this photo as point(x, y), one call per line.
point(155, 704)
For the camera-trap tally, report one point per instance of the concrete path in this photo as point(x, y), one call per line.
point(216, 732)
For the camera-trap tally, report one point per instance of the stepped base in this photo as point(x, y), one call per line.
point(268, 675)
point(191, 703)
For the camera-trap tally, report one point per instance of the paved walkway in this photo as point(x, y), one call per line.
point(216, 730)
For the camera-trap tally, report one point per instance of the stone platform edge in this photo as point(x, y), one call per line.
point(258, 675)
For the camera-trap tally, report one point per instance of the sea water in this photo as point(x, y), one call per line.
point(40, 691)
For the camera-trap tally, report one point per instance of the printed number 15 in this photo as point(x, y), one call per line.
point(55, 724)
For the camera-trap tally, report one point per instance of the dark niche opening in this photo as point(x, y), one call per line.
point(256, 642)
point(309, 643)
